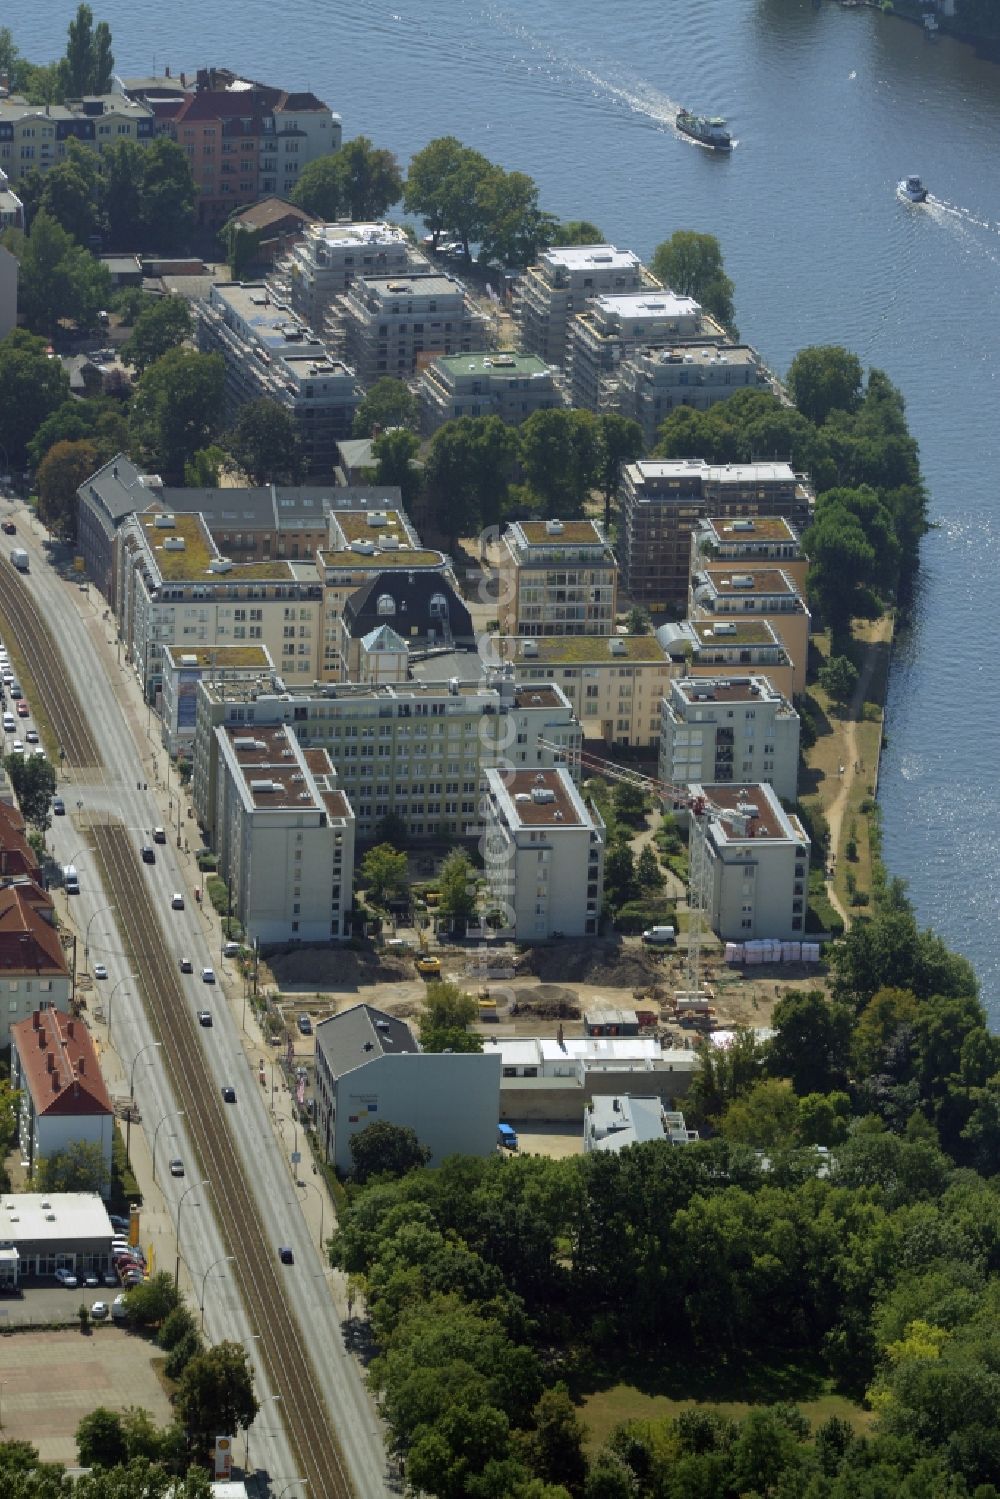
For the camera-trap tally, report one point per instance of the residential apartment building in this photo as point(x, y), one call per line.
point(611, 327)
point(328, 258)
point(63, 1099)
point(663, 501)
point(721, 592)
point(370, 1070)
point(752, 541)
point(422, 608)
point(717, 648)
point(613, 683)
point(557, 578)
point(109, 498)
point(504, 384)
point(11, 207)
point(651, 383)
point(175, 588)
point(544, 854)
point(285, 837)
point(33, 969)
point(758, 864)
point(392, 325)
point(567, 277)
point(557, 1077)
point(269, 353)
point(716, 729)
point(418, 751)
point(38, 136)
point(182, 670)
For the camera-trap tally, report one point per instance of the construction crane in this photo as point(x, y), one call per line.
point(701, 811)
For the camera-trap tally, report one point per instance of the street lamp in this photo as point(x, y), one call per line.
point(246, 1460)
point(322, 1204)
point(3, 1385)
point(86, 941)
point(111, 997)
point(222, 1260)
point(131, 1093)
point(177, 1264)
point(172, 1114)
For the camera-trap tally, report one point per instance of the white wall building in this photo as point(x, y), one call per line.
point(370, 1070)
point(329, 257)
point(544, 851)
point(758, 865)
point(393, 324)
point(504, 384)
point(565, 278)
point(556, 1077)
point(729, 729)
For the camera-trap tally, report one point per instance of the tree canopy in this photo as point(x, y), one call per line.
point(265, 443)
point(359, 181)
point(387, 403)
point(176, 409)
point(34, 387)
point(691, 265)
point(161, 325)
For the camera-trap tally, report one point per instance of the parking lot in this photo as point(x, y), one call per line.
point(46, 1303)
point(52, 1379)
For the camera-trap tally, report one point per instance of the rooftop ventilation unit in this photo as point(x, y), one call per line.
point(164, 522)
point(617, 647)
point(366, 548)
point(174, 544)
point(529, 647)
point(220, 565)
point(188, 660)
point(389, 543)
point(742, 580)
point(542, 794)
point(724, 627)
point(261, 787)
point(742, 525)
point(554, 528)
point(378, 518)
point(244, 742)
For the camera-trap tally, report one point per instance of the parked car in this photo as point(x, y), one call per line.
point(305, 1025)
point(133, 1278)
point(65, 1277)
point(119, 1307)
point(31, 736)
point(17, 748)
point(110, 1278)
point(8, 528)
point(91, 1278)
point(121, 1224)
point(58, 807)
point(231, 950)
point(177, 1167)
point(22, 708)
point(9, 723)
point(99, 1311)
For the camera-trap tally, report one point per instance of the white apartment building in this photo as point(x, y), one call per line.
point(330, 257)
point(651, 383)
point(183, 669)
point(269, 352)
point(544, 852)
point(609, 328)
point(564, 280)
point(393, 324)
point(717, 648)
point(753, 541)
point(175, 588)
point(557, 578)
point(758, 864)
point(614, 683)
point(285, 836)
point(504, 384)
point(33, 968)
point(720, 591)
point(417, 750)
point(557, 1077)
point(729, 729)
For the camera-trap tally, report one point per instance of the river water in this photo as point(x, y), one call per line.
point(829, 108)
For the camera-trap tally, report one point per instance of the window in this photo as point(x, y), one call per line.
point(386, 604)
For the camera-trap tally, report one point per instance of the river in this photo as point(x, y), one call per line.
point(829, 108)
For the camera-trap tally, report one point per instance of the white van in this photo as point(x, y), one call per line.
point(659, 936)
point(71, 880)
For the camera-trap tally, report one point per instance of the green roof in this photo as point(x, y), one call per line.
point(222, 657)
point(380, 561)
point(493, 362)
point(584, 649)
point(744, 632)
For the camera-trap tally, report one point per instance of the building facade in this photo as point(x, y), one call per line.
point(504, 384)
point(718, 648)
point(751, 541)
point(181, 672)
point(557, 1077)
point(758, 864)
point(729, 729)
point(720, 591)
point(608, 329)
point(565, 278)
point(329, 258)
point(33, 968)
point(651, 383)
point(394, 324)
point(557, 578)
point(39, 136)
point(614, 683)
point(63, 1102)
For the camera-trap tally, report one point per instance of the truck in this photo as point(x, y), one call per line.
point(507, 1136)
point(71, 880)
point(659, 936)
point(19, 558)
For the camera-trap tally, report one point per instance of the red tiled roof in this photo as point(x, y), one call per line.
point(28, 944)
point(58, 1063)
point(16, 854)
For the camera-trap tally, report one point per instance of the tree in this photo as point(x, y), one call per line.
point(123, 165)
point(98, 420)
point(384, 873)
point(637, 620)
point(691, 265)
point(394, 453)
point(167, 197)
point(206, 468)
point(160, 326)
point(629, 803)
point(176, 1326)
point(620, 884)
point(577, 232)
point(389, 403)
point(561, 457)
point(385, 1149)
point(811, 1041)
point(448, 1013)
point(621, 442)
point(100, 1439)
point(839, 677)
point(265, 443)
point(89, 61)
point(555, 1448)
point(64, 468)
point(514, 228)
point(70, 192)
point(320, 189)
point(766, 1117)
point(370, 179)
point(824, 379)
point(648, 871)
point(175, 409)
point(59, 280)
point(150, 1304)
point(442, 186)
point(457, 886)
point(469, 470)
point(34, 386)
point(216, 1394)
point(80, 1167)
point(842, 569)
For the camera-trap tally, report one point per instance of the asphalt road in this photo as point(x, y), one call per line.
point(120, 728)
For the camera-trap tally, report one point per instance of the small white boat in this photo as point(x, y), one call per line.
point(912, 189)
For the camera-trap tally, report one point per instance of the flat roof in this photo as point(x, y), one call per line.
point(762, 528)
point(406, 284)
point(589, 649)
point(596, 257)
point(271, 765)
point(766, 818)
point(537, 695)
point(493, 362)
point(356, 525)
point(30, 1217)
point(743, 632)
point(717, 473)
point(220, 657)
point(574, 532)
point(344, 235)
point(379, 560)
point(269, 321)
point(733, 579)
point(704, 356)
point(185, 562)
point(649, 303)
point(751, 689)
point(559, 804)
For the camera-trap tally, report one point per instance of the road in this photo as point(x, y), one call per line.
point(125, 788)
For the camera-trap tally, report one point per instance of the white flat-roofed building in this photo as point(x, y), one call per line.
point(608, 329)
point(330, 257)
point(759, 541)
point(630, 1119)
point(285, 837)
point(556, 1078)
point(557, 578)
point(718, 648)
point(49, 1231)
point(565, 278)
point(370, 1070)
point(504, 384)
point(544, 853)
point(758, 864)
point(664, 500)
point(721, 591)
point(394, 324)
point(269, 352)
point(729, 729)
point(651, 383)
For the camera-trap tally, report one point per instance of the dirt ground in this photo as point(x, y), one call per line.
point(52, 1379)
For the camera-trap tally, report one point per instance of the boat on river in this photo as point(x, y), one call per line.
point(709, 130)
point(912, 189)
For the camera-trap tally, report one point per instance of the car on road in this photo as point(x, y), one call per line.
point(205, 1018)
point(305, 1025)
point(159, 836)
point(22, 708)
point(177, 1167)
point(31, 736)
point(17, 748)
point(208, 975)
point(285, 1255)
point(91, 1278)
point(148, 854)
point(8, 527)
point(58, 807)
point(16, 691)
point(9, 723)
point(187, 966)
point(99, 1311)
point(228, 1095)
point(177, 901)
point(100, 971)
point(65, 1277)
point(37, 753)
